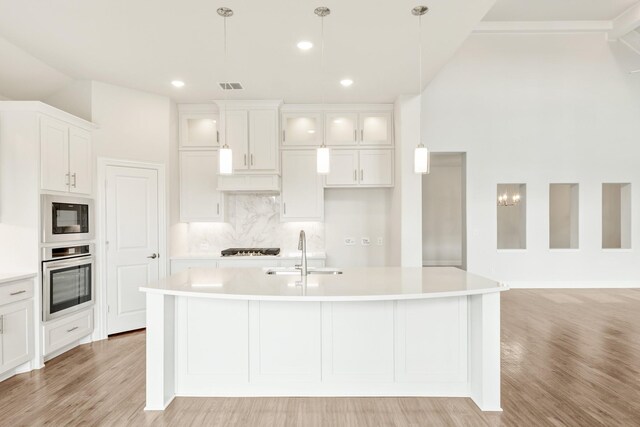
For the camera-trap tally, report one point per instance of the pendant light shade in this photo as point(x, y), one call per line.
point(421, 159)
point(323, 158)
point(225, 159)
point(323, 162)
point(421, 156)
point(225, 166)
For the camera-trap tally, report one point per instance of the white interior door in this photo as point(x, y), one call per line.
point(132, 244)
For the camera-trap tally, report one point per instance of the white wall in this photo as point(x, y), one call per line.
point(356, 213)
point(4, 98)
point(539, 109)
point(74, 98)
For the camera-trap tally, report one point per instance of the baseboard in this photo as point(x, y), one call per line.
point(442, 263)
point(573, 284)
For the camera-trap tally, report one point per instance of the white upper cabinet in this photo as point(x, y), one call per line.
point(337, 125)
point(302, 193)
point(263, 140)
point(65, 157)
point(199, 130)
point(54, 155)
point(375, 128)
point(302, 129)
point(344, 168)
point(376, 168)
point(361, 168)
point(200, 201)
point(237, 137)
point(252, 135)
point(80, 161)
point(341, 128)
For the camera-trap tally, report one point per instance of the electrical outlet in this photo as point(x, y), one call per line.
point(380, 241)
point(349, 241)
point(366, 241)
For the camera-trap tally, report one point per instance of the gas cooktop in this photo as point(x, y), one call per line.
point(251, 252)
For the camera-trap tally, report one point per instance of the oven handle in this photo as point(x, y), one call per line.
point(68, 262)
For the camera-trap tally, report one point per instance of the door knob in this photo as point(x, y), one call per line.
point(153, 256)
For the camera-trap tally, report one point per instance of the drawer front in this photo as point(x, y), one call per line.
point(65, 331)
point(16, 291)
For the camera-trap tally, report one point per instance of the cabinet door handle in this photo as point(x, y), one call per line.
point(245, 160)
point(218, 208)
point(17, 293)
point(355, 135)
point(68, 182)
point(284, 136)
point(218, 136)
point(72, 329)
point(251, 159)
point(75, 180)
point(285, 207)
point(1, 324)
point(355, 175)
point(361, 135)
point(361, 174)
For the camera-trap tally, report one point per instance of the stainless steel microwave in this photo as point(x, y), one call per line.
point(66, 219)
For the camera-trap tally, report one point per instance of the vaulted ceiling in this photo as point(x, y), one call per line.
point(145, 44)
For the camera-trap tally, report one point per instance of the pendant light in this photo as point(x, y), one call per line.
point(323, 160)
point(421, 157)
point(225, 166)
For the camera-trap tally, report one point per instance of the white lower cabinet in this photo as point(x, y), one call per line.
point(16, 334)
point(361, 168)
point(302, 192)
point(200, 200)
point(61, 333)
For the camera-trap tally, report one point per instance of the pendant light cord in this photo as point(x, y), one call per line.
point(420, 77)
point(322, 70)
point(224, 83)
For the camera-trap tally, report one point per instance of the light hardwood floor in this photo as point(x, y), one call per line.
point(569, 357)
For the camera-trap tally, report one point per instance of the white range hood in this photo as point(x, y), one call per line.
point(249, 183)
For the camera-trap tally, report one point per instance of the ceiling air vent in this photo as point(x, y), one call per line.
point(230, 86)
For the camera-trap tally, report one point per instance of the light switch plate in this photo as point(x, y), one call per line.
point(366, 241)
point(349, 241)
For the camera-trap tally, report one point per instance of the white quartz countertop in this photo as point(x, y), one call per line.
point(12, 277)
point(355, 284)
point(209, 256)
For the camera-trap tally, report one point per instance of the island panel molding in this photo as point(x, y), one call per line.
point(241, 332)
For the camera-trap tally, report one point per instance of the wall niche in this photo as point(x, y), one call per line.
point(616, 216)
point(512, 216)
point(563, 216)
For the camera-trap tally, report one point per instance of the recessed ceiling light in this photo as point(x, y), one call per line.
point(177, 83)
point(346, 82)
point(305, 45)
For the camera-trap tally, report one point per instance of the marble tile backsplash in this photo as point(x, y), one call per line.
point(253, 220)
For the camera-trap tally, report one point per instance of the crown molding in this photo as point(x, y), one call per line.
point(543, 27)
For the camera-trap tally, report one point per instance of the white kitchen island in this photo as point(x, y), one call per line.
point(388, 331)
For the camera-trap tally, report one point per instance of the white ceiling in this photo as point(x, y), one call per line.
point(557, 10)
point(144, 44)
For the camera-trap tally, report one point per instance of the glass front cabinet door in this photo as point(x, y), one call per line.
point(375, 128)
point(302, 129)
point(199, 130)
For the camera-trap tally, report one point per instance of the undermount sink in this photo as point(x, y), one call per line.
point(295, 271)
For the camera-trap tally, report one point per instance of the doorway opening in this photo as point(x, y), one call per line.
point(444, 222)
